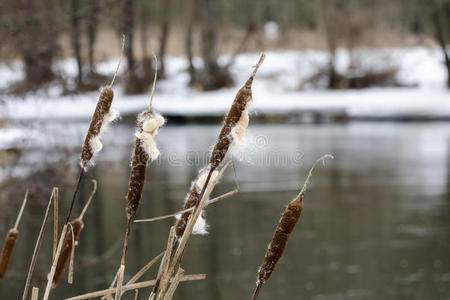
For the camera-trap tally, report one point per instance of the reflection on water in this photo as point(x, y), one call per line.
point(375, 222)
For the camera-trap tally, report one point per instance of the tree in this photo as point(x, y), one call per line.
point(440, 18)
point(35, 36)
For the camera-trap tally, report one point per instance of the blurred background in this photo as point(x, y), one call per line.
point(366, 81)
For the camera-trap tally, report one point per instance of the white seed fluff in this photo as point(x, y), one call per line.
point(238, 131)
point(150, 126)
point(95, 143)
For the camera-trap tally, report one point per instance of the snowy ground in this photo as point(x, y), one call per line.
point(276, 88)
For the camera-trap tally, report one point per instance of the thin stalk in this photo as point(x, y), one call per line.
point(37, 246)
point(256, 292)
point(212, 201)
point(133, 286)
point(21, 210)
point(74, 195)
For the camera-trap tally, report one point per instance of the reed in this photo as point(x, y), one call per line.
point(71, 238)
point(182, 242)
point(285, 226)
point(37, 246)
point(10, 240)
point(101, 117)
point(234, 126)
point(145, 150)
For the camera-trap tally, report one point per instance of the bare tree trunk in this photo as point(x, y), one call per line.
point(165, 22)
point(75, 29)
point(213, 76)
point(440, 19)
point(188, 41)
point(128, 29)
point(143, 23)
point(36, 41)
point(92, 33)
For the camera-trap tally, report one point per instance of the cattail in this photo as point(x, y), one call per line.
point(148, 123)
point(285, 226)
point(10, 241)
point(192, 200)
point(71, 237)
point(77, 226)
point(103, 115)
point(144, 150)
point(236, 121)
point(7, 250)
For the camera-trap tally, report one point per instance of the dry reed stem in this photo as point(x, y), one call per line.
point(174, 284)
point(119, 287)
point(55, 225)
point(70, 240)
point(134, 286)
point(212, 201)
point(190, 225)
point(162, 271)
point(285, 226)
point(10, 240)
point(53, 267)
point(38, 244)
point(35, 293)
point(72, 257)
point(111, 286)
point(136, 294)
point(136, 276)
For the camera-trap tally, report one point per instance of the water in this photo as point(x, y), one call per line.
point(375, 223)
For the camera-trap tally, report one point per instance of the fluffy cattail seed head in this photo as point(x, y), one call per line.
point(102, 115)
point(236, 115)
point(144, 150)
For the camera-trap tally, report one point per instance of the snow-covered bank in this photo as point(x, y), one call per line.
point(275, 89)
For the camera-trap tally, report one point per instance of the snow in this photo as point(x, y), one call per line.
point(275, 90)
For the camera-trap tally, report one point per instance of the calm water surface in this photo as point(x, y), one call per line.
point(375, 223)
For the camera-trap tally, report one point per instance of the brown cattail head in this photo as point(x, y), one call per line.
point(243, 97)
point(144, 150)
point(66, 250)
point(8, 248)
point(102, 115)
point(285, 226)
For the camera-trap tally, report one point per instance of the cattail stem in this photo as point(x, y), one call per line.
point(37, 246)
point(257, 288)
point(19, 216)
point(74, 195)
point(120, 61)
